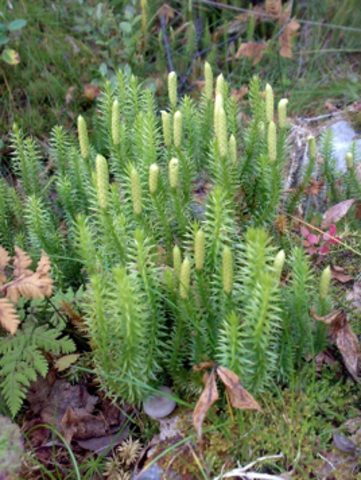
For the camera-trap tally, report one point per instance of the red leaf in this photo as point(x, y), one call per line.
point(332, 230)
point(324, 250)
point(313, 239)
point(304, 231)
point(312, 251)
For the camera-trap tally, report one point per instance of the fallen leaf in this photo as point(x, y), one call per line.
point(240, 93)
point(324, 250)
point(286, 37)
point(355, 295)
point(341, 333)
point(340, 276)
point(102, 444)
point(202, 366)
point(328, 106)
point(206, 400)
point(338, 211)
point(314, 188)
point(91, 92)
point(349, 347)
point(252, 50)
point(328, 319)
point(78, 423)
point(238, 395)
point(273, 8)
point(166, 10)
point(64, 362)
point(10, 56)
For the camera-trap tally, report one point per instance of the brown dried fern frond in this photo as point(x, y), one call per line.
point(9, 318)
point(29, 284)
point(4, 262)
point(21, 262)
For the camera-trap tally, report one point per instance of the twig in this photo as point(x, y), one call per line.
point(242, 471)
point(166, 43)
point(320, 117)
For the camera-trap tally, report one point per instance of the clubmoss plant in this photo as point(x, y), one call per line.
point(176, 273)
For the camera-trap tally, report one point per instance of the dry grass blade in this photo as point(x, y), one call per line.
point(9, 318)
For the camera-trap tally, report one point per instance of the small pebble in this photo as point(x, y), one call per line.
point(160, 406)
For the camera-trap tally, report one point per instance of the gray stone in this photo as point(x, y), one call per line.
point(343, 135)
point(160, 406)
point(152, 473)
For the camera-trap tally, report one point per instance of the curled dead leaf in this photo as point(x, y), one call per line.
point(341, 333)
point(238, 395)
point(206, 400)
point(338, 211)
point(338, 273)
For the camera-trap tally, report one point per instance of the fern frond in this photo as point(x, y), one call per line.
point(22, 357)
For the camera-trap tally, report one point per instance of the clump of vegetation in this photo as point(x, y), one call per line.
point(170, 286)
point(171, 220)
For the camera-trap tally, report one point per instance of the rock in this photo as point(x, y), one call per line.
point(343, 136)
point(160, 406)
point(11, 446)
point(198, 211)
point(152, 473)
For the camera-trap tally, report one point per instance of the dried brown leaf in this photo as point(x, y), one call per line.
point(345, 339)
point(273, 8)
point(166, 10)
point(238, 395)
point(286, 37)
point(80, 424)
point(21, 262)
point(355, 295)
point(252, 50)
point(240, 93)
point(338, 211)
point(340, 275)
point(328, 319)
point(206, 400)
point(9, 318)
point(202, 366)
point(4, 262)
point(91, 92)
